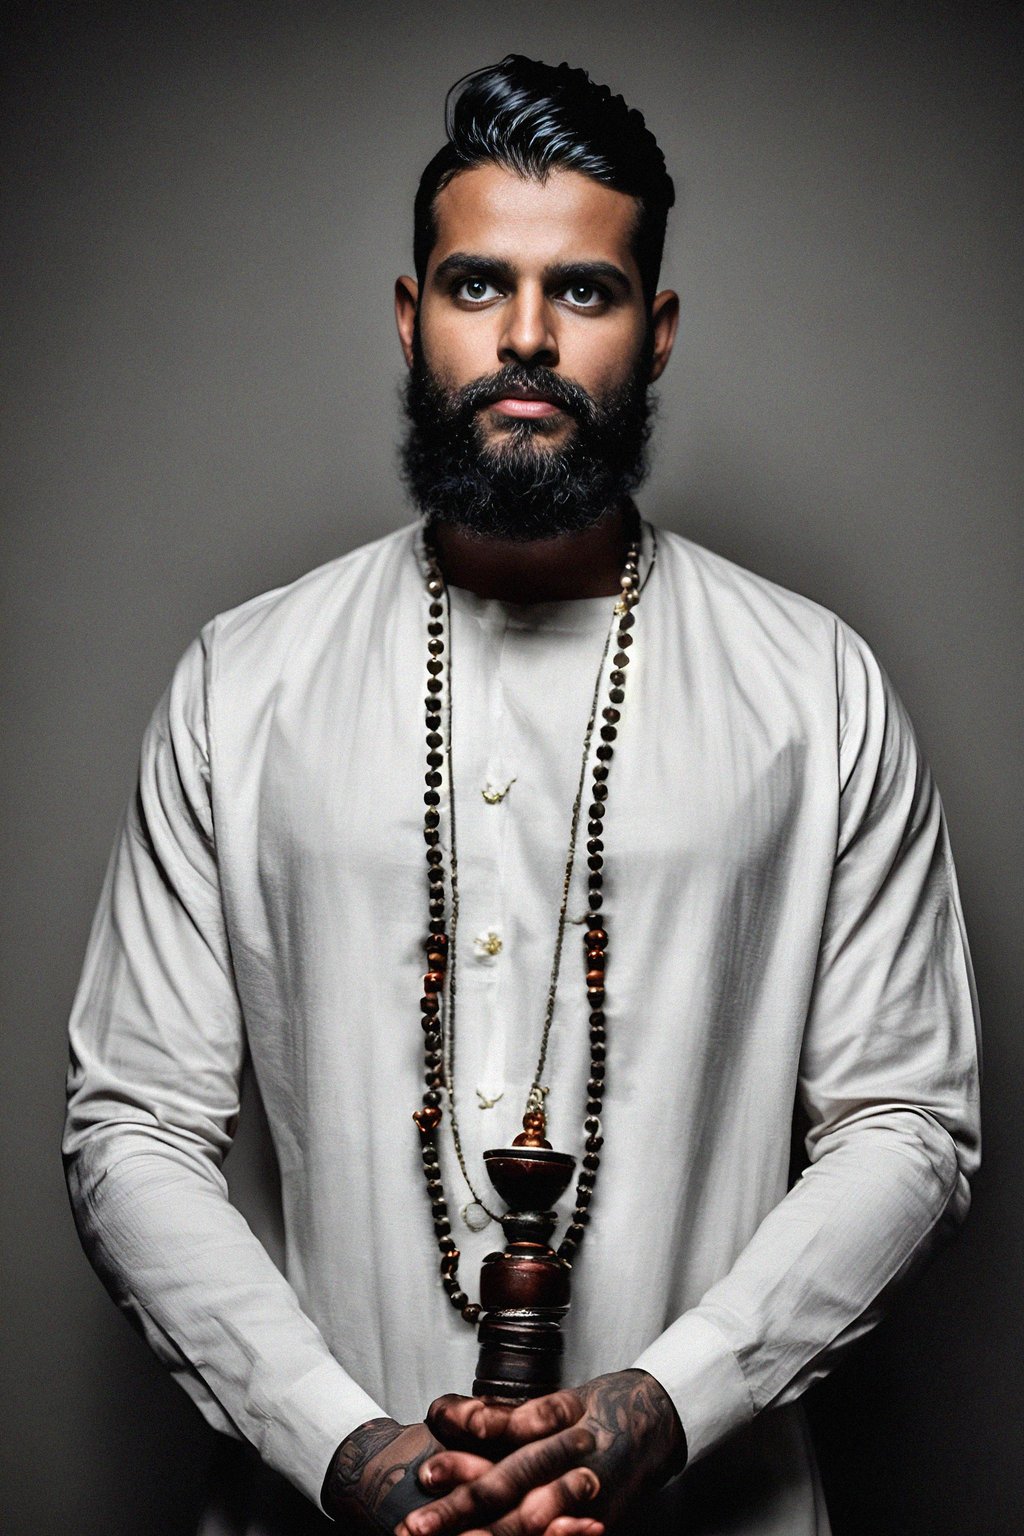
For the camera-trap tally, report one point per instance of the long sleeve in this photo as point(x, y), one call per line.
point(157, 1046)
point(888, 1079)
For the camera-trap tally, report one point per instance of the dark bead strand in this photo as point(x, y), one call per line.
point(595, 940)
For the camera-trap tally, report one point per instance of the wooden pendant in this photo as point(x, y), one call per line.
point(525, 1290)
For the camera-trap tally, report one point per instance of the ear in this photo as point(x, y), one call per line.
point(664, 324)
point(407, 294)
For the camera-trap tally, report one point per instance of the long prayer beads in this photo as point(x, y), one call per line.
point(440, 944)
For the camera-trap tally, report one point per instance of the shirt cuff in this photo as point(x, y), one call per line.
point(311, 1419)
point(702, 1376)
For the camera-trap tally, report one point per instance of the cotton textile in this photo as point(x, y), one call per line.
point(784, 926)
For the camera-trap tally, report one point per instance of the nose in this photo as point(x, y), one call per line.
point(528, 336)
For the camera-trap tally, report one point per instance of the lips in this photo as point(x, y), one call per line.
point(528, 407)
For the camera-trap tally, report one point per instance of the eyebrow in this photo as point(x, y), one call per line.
point(466, 264)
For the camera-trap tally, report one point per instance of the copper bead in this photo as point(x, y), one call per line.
point(427, 1119)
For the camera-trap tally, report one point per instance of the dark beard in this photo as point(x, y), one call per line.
point(521, 490)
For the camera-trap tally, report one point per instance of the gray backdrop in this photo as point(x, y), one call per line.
point(205, 207)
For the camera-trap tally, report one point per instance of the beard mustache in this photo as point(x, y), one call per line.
point(520, 489)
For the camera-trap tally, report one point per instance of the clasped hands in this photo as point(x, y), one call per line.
point(568, 1464)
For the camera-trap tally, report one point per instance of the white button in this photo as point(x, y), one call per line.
point(488, 946)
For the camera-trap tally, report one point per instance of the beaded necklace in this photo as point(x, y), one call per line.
point(438, 1002)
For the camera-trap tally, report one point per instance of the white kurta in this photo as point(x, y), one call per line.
point(784, 926)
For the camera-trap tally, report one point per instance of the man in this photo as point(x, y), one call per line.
point(768, 904)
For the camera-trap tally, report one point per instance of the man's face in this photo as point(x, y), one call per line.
point(531, 348)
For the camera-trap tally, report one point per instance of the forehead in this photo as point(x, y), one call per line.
point(568, 217)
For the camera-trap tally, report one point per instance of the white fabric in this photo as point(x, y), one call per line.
point(784, 924)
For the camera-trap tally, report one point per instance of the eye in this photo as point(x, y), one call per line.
point(585, 295)
point(476, 289)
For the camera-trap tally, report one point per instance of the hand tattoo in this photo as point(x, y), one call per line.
point(372, 1479)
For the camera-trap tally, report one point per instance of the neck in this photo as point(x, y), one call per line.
point(587, 564)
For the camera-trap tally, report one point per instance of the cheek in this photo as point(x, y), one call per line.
point(456, 353)
point(601, 357)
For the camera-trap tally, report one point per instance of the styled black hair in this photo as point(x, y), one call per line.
point(533, 118)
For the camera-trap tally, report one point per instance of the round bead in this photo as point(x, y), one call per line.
point(434, 628)
point(459, 1300)
point(437, 928)
point(435, 647)
point(594, 1105)
point(436, 610)
point(596, 810)
point(435, 667)
point(594, 827)
point(612, 716)
point(581, 1217)
point(608, 733)
point(596, 956)
point(620, 658)
point(435, 759)
point(592, 1124)
point(596, 900)
point(431, 836)
point(434, 855)
point(433, 981)
point(599, 790)
point(431, 1098)
point(447, 1245)
point(597, 1020)
point(595, 845)
point(625, 640)
point(605, 752)
point(471, 1312)
point(429, 1005)
point(442, 1226)
point(594, 1143)
point(433, 778)
point(617, 695)
point(437, 1210)
point(592, 1161)
point(627, 621)
point(433, 719)
point(595, 979)
point(575, 1234)
point(596, 938)
point(597, 1050)
point(595, 992)
point(616, 679)
point(595, 1086)
point(600, 773)
point(597, 1072)
point(431, 797)
point(434, 740)
point(432, 818)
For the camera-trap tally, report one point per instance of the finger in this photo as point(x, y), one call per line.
point(541, 1507)
point(543, 1416)
point(507, 1483)
point(449, 1468)
point(460, 1421)
point(575, 1525)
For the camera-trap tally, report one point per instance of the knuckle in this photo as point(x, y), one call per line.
point(580, 1440)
